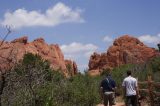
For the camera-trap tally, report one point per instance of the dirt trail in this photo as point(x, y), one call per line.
point(117, 104)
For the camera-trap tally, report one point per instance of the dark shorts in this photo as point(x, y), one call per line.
point(131, 100)
point(108, 98)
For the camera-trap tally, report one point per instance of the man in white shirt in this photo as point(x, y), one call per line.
point(130, 89)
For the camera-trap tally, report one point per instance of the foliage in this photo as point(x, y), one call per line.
point(33, 83)
point(80, 90)
point(140, 72)
point(25, 80)
point(119, 73)
point(155, 68)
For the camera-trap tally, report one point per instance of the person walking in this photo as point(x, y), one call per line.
point(107, 88)
point(130, 89)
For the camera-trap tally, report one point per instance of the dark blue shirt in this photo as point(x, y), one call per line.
point(108, 84)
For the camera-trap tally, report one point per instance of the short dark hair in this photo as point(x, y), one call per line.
point(108, 74)
point(129, 72)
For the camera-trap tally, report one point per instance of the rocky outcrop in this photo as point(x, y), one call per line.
point(71, 67)
point(12, 52)
point(21, 40)
point(124, 50)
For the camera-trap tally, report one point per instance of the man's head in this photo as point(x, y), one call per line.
point(108, 74)
point(129, 72)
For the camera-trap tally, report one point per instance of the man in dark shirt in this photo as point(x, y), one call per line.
point(107, 88)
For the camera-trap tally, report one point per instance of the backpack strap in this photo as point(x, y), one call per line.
point(109, 84)
point(107, 80)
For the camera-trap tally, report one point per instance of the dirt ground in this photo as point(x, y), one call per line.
point(119, 102)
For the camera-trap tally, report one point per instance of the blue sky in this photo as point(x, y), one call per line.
point(81, 27)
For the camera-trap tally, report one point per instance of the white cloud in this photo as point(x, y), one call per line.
point(75, 48)
point(58, 14)
point(107, 39)
point(79, 52)
point(149, 39)
point(88, 54)
point(84, 67)
point(158, 35)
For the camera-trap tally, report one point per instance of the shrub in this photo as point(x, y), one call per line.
point(24, 82)
point(33, 83)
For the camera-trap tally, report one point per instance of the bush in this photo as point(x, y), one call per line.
point(24, 82)
point(80, 90)
point(33, 83)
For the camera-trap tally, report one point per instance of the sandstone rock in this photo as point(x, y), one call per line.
point(94, 72)
point(23, 39)
point(12, 52)
point(71, 67)
point(125, 50)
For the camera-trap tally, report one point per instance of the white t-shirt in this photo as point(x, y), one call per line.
point(130, 84)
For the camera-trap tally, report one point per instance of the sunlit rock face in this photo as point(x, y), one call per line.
point(126, 49)
point(12, 52)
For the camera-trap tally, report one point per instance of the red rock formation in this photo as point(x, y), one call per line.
point(71, 67)
point(13, 51)
point(21, 40)
point(124, 50)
